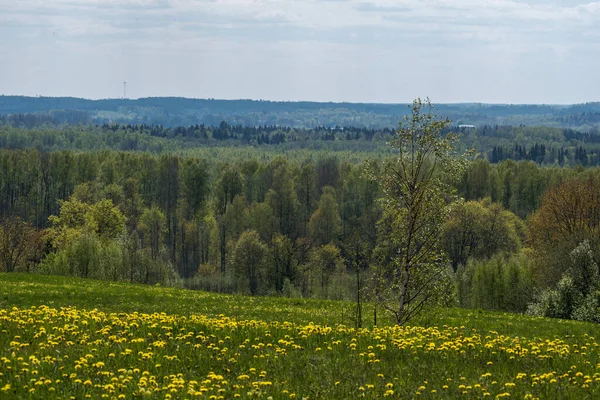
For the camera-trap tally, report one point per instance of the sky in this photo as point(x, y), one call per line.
point(386, 51)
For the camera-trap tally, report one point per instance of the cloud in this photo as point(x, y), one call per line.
point(337, 49)
point(240, 19)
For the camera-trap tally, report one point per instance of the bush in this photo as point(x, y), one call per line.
point(559, 302)
point(500, 283)
point(289, 290)
point(589, 309)
point(89, 256)
point(213, 281)
point(576, 295)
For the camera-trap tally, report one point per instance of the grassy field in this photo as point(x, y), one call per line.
point(72, 338)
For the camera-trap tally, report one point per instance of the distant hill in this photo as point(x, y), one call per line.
point(177, 111)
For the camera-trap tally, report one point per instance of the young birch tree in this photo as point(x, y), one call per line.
point(412, 268)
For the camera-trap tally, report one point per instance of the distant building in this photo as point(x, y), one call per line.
point(466, 126)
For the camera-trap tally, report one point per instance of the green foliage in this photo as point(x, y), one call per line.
point(282, 197)
point(584, 269)
point(195, 179)
point(303, 346)
point(236, 217)
point(480, 229)
point(518, 186)
point(588, 309)
point(69, 222)
point(283, 267)
point(249, 261)
point(77, 218)
point(90, 240)
point(82, 256)
point(262, 219)
point(209, 240)
point(576, 296)
point(240, 114)
point(228, 186)
point(568, 216)
point(498, 136)
point(153, 226)
point(89, 256)
point(503, 282)
point(325, 262)
point(177, 212)
point(325, 225)
point(105, 219)
point(411, 264)
point(289, 290)
point(20, 245)
point(209, 278)
point(559, 302)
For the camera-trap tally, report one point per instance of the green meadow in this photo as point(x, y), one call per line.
point(74, 338)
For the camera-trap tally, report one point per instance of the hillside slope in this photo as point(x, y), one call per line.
point(63, 337)
point(177, 111)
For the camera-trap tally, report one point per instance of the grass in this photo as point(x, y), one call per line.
point(71, 338)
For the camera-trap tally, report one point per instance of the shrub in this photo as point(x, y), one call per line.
point(500, 283)
point(289, 290)
point(576, 295)
point(559, 302)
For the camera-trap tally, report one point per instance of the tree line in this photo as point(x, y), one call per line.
point(305, 227)
point(147, 218)
point(174, 111)
point(397, 228)
point(543, 145)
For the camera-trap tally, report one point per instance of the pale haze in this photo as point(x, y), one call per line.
point(494, 51)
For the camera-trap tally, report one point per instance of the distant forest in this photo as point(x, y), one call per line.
point(543, 145)
point(265, 200)
point(171, 112)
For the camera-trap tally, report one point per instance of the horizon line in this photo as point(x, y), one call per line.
point(299, 101)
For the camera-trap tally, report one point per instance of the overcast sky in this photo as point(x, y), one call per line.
point(499, 51)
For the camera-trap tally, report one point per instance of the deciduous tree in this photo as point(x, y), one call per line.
point(19, 243)
point(569, 214)
point(325, 225)
point(153, 226)
point(412, 265)
point(480, 229)
point(249, 260)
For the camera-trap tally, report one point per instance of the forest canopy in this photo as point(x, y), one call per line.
point(271, 210)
